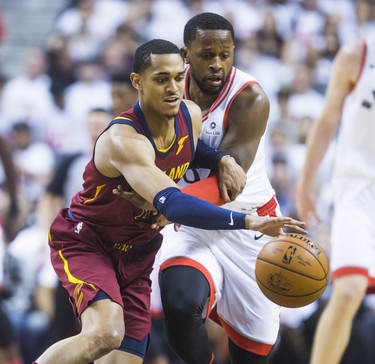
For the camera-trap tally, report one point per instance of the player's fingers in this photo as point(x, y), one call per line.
point(290, 220)
point(295, 228)
point(224, 193)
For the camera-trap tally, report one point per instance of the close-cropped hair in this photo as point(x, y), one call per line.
point(205, 21)
point(142, 57)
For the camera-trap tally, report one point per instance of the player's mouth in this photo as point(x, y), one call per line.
point(215, 80)
point(172, 100)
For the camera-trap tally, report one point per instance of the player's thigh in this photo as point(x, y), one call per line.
point(192, 247)
point(353, 230)
point(242, 306)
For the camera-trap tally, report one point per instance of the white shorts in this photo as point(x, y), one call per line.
point(353, 229)
point(227, 259)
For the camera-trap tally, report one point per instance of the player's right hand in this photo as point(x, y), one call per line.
point(231, 177)
point(305, 206)
point(273, 226)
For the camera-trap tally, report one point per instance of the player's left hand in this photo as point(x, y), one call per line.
point(158, 221)
point(134, 198)
point(232, 178)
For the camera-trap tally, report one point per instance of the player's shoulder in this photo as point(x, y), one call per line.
point(351, 53)
point(194, 110)
point(250, 87)
point(350, 57)
point(252, 94)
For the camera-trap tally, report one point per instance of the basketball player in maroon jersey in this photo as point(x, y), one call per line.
point(103, 247)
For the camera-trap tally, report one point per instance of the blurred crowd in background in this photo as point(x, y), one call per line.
point(57, 97)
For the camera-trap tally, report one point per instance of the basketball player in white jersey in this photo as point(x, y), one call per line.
point(350, 100)
point(212, 273)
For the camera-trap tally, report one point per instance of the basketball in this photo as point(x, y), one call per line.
point(292, 270)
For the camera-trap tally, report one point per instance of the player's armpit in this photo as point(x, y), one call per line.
point(207, 190)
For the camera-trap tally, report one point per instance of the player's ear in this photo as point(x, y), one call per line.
point(136, 81)
point(185, 54)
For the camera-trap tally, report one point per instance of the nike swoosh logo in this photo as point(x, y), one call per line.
point(257, 237)
point(231, 222)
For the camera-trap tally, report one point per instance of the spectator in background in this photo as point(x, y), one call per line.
point(118, 53)
point(304, 99)
point(90, 91)
point(123, 93)
point(9, 211)
point(29, 284)
point(34, 161)
point(9, 226)
point(27, 97)
point(61, 64)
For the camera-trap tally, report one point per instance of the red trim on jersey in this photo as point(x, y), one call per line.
point(345, 271)
point(241, 341)
point(363, 60)
point(268, 209)
point(192, 263)
point(371, 285)
point(207, 190)
point(225, 123)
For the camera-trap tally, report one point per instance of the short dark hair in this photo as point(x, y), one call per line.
point(205, 21)
point(142, 57)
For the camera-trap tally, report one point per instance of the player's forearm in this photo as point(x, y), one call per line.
point(317, 147)
point(207, 157)
point(191, 211)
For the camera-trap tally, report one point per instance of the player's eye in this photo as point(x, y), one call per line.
point(161, 80)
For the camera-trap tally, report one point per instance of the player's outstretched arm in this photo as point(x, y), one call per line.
point(138, 167)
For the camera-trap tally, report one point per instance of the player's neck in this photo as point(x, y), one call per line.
point(162, 129)
point(204, 101)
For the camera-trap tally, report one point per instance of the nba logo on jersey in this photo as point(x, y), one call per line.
point(78, 228)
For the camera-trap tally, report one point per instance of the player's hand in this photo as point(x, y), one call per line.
point(134, 198)
point(305, 206)
point(232, 178)
point(273, 226)
point(158, 221)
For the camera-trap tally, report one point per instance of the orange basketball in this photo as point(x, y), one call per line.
point(292, 270)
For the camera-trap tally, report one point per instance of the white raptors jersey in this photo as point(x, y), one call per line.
point(258, 188)
point(355, 154)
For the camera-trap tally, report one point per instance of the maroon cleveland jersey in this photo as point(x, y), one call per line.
point(115, 219)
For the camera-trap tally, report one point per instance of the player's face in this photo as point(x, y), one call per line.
point(163, 84)
point(210, 56)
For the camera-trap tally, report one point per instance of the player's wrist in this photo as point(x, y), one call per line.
point(248, 222)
